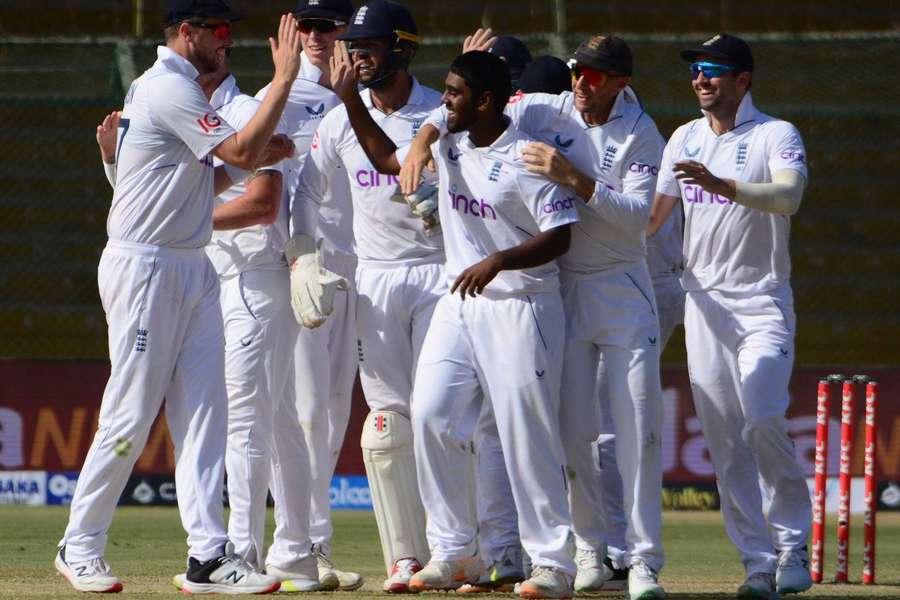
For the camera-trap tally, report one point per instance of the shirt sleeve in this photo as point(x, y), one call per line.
point(551, 205)
point(629, 209)
point(785, 149)
point(321, 164)
point(666, 182)
point(179, 107)
point(534, 114)
point(437, 119)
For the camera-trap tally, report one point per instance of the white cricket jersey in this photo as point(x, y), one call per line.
point(386, 232)
point(489, 202)
point(729, 247)
point(622, 155)
point(330, 219)
point(164, 170)
point(259, 246)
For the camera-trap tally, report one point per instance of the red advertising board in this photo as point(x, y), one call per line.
point(49, 409)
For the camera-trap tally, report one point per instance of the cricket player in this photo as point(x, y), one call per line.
point(495, 337)
point(598, 141)
point(161, 297)
point(325, 360)
point(740, 175)
point(400, 274)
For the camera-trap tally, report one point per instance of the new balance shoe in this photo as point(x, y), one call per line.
point(446, 574)
point(792, 575)
point(92, 575)
point(303, 576)
point(758, 586)
point(347, 581)
point(619, 580)
point(547, 582)
point(642, 582)
point(228, 574)
point(592, 574)
point(401, 571)
point(500, 576)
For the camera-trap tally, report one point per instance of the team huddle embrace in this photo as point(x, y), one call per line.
point(503, 264)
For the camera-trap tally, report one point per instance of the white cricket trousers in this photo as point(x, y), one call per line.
point(669, 305)
point(611, 317)
point(165, 341)
point(263, 428)
point(325, 368)
point(498, 526)
point(394, 308)
point(504, 350)
point(740, 356)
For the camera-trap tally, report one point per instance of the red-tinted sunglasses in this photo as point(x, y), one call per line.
point(221, 31)
point(593, 76)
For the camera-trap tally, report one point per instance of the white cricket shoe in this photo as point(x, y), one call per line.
point(446, 574)
point(758, 586)
point(592, 573)
point(619, 580)
point(92, 575)
point(642, 582)
point(547, 582)
point(228, 574)
point(792, 575)
point(303, 576)
point(398, 579)
point(347, 581)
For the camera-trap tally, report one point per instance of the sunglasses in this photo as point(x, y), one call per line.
point(593, 76)
point(219, 30)
point(710, 69)
point(321, 25)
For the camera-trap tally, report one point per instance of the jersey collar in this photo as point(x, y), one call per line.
point(225, 93)
point(172, 61)
point(506, 139)
point(416, 95)
point(626, 100)
point(308, 70)
point(746, 112)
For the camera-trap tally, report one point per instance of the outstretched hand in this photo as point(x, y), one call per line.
point(482, 39)
point(344, 78)
point(107, 132)
point(691, 172)
point(286, 50)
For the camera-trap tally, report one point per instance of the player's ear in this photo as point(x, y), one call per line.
point(744, 79)
point(485, 102)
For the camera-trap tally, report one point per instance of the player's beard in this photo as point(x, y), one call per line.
point(208, 60)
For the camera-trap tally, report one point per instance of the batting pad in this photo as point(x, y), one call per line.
point(387, 448)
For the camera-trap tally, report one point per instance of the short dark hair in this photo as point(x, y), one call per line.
point(171, 31)
point(484, 72)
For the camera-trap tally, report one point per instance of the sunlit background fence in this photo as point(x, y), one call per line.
point(840, 88)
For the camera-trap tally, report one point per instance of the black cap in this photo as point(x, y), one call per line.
point(722, 45)
point(181, 10)
point(514, 53)
point(546, 74)
point(605, 52)
point(334, 10)
point(382, 19)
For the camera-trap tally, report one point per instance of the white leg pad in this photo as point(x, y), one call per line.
point(390, 466)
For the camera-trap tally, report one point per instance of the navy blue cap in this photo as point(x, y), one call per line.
point(723, 46)
point(546, 74)
point(514, 53)
point(605, 52)
point(382, 19)
point(333, 10)
point(181, 10)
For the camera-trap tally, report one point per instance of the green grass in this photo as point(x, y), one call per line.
point(147, 547)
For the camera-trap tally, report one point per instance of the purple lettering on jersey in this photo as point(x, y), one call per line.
point(472, 206)
point(695, 194)
point(366, 179)
point(793, 155)
point(643, 169)
point(558, 205)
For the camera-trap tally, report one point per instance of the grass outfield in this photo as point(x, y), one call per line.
point(147, 548)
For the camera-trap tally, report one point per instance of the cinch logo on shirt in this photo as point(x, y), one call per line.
point(474, 206)
point(643, 169)
point(209, 122)
point(793, 155)
point(558, 205)
point(697, 195)
point(368, 179)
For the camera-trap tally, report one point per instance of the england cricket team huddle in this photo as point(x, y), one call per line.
point(502, 262)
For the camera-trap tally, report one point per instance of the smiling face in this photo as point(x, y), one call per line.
point(457, 99)
point(722, 92)
point(208, 41)
point(317, 36)
point(595, 90)
point(370, 59)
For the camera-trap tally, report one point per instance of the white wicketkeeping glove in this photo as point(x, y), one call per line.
point(312, 286)
point(423, 203)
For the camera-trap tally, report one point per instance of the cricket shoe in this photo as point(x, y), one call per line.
point(500, 576)
point(401, 571)
point(592, 574)
point(446, 574)
point(619, 580)
point(303, 576)
point(347, 581)
point(227, 574)
point(792, 575)
point(546, 582)
point(92, 575)
point(642, 582)
point(758, 586)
